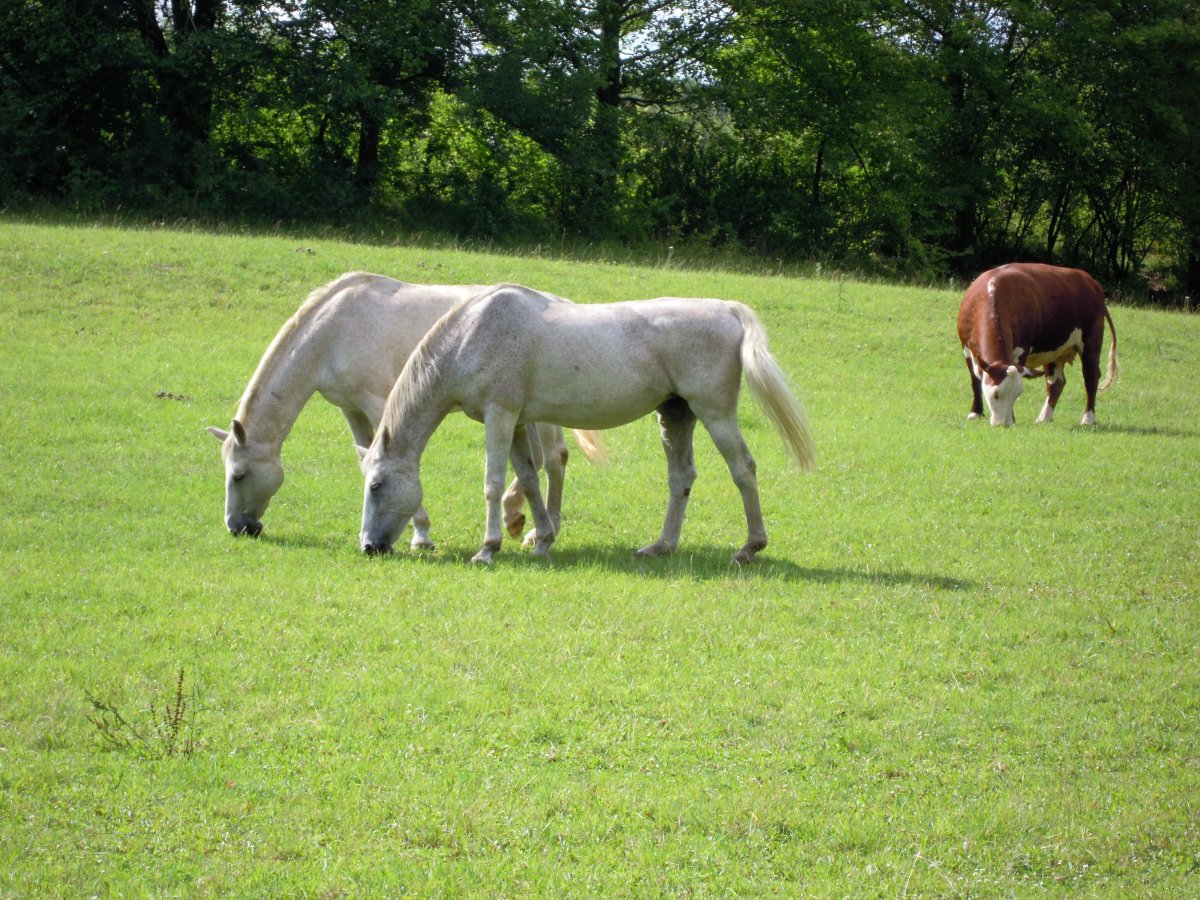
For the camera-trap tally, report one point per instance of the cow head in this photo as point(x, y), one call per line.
point(1001, 388)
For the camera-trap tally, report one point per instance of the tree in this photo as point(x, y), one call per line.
point(566, 75)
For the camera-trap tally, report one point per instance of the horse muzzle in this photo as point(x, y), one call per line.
point(374, 548)
point(243, 525)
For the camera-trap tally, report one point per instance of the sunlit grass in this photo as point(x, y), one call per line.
point(966, 663)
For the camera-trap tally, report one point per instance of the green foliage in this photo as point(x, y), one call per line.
point(924, 140)
point(965, 665)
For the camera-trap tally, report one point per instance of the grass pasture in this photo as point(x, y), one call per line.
point(965, 666)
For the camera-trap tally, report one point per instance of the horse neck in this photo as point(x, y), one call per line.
point(411, 434)
point(413, 417)
point(285, 380)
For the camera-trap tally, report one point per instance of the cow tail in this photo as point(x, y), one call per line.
point(1114, 368)
point(769, 386)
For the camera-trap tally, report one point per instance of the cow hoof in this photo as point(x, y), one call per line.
point(973, 415)
point(1089, 418)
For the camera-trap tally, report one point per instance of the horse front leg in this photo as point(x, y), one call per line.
point(524, 464)
point(553, 450)
point(677, 424)
point(514, 497)
point(728, 438)
point(498, 427)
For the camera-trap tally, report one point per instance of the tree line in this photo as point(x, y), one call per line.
point(923, 137)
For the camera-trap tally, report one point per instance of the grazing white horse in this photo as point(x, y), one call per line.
point(512, 356)
point(348, 341)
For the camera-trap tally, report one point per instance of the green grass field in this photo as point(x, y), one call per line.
point(966, 664)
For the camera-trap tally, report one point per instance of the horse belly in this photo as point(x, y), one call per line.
point(604, 398)
point(593, 412)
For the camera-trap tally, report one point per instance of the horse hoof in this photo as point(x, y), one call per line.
point(422, 544)
point(516, 525)
point(542, 551)
point(745, 556)
point(658, 548)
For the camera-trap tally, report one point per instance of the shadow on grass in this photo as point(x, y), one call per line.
point(697, 562)
point(1143, 431)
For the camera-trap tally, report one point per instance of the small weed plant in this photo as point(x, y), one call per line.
point(171, 730)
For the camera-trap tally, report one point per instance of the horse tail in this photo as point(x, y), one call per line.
point(769, 385)
point(1114, 368)
point(591, 445)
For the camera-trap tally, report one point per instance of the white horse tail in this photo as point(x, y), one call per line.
point(1114, 368)
point(768, 384)
point(591, 445)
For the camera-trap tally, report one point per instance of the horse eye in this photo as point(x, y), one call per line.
point(238, 476)
point(376, 485)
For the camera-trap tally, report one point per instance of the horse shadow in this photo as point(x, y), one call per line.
point(708, 563)
point(701, 562)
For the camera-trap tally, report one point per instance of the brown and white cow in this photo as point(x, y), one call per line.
point(1022, 316)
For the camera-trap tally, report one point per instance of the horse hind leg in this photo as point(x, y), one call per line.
point(728, 438)
point(677, 424)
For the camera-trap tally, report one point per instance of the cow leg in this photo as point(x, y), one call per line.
point(976, 393)
point(1089, 362)
point(677, 423)
point(1056, 380)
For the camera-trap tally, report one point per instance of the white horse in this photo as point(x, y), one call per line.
point(513, 356)
point(348, 341)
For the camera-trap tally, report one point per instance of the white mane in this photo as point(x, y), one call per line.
point(283, 340)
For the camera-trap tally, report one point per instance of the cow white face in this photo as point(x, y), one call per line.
point(1002, 395)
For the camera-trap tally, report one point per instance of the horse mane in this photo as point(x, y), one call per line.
point(417, 376)
point(316, 298)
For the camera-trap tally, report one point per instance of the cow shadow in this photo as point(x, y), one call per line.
point(1147, 431)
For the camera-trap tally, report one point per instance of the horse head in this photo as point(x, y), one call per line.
point(253, 473)
point(391, 494)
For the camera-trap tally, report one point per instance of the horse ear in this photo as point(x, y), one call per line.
point(385, 438)
point(217, 433)
point(239, 433)
point(362, 452)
